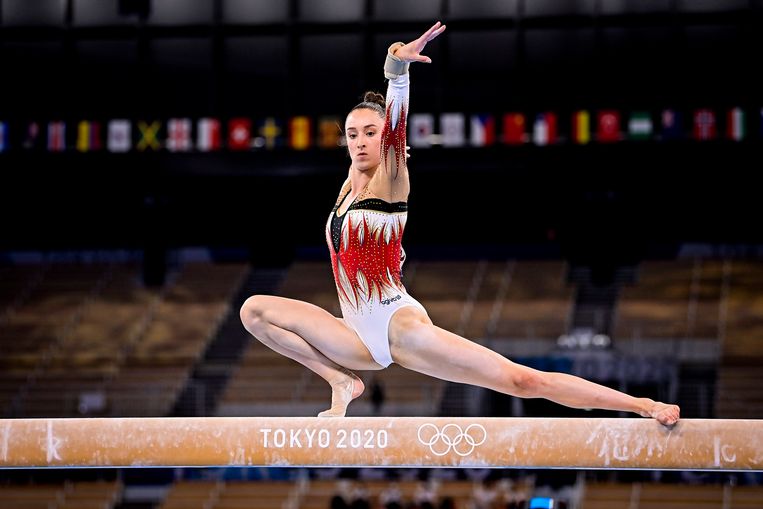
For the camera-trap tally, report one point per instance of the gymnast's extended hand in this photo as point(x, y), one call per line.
point(411, 52)
point(666, 414)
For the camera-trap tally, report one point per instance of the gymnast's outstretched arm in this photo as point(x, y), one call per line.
point(399, 57)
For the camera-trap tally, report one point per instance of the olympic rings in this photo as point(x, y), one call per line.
point(451, 440)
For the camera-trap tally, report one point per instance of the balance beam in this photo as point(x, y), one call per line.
point(457, 442)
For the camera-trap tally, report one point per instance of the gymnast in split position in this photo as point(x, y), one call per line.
point(381, 322)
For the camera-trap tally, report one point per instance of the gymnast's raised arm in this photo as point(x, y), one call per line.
point(399, 57)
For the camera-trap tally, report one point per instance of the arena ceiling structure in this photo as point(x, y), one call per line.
point(639, 122)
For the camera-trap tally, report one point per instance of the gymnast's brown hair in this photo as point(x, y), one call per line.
point(372, 101)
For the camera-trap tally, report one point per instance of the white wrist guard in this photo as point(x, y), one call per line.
point(393, 66)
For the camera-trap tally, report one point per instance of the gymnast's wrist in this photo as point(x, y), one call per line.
point(394, 66)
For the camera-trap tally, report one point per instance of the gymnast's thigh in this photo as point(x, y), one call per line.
point(323, 331)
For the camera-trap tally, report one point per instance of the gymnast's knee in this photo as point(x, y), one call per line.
point(253, 313)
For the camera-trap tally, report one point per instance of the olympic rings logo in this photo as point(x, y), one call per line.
point(452, 437)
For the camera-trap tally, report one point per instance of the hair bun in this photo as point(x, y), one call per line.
point(373, 97)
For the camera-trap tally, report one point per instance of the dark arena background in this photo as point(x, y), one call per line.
point(584, 199)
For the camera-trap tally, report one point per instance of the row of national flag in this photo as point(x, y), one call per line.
point(425, 130)
point(174, 135)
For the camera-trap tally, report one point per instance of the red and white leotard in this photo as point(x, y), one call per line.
point(365, 243)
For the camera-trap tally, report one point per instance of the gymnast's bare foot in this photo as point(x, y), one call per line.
point(664, 413)
point(343, 390)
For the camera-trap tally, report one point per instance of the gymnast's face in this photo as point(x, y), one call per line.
point(363, 130)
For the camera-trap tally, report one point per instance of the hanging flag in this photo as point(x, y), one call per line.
point(300, 133)
point(640, 125)
point(270, 134)
point(422, 130)
point(179, 135)
point(239, 134)
point(32, 136)
point(581, 127)
point(735, 124)
point(88, 136)
point(672, 125)
point(56, 136)
point(148, 135)
point(83, 136)
point(208, 135)
point(329, 133)
point(544, 128)
point(453, 126)
point(3, 136)
point(514, 128)
point(704, 124)
point(608, 126)
point(119, 136)
point(482, 130)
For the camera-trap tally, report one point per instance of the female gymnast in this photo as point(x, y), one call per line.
point(381, 322)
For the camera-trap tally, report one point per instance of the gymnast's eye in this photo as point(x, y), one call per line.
point(370, 133)
point(352, 136)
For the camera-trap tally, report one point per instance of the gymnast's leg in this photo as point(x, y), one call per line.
point(314, 338)
point(417, 344)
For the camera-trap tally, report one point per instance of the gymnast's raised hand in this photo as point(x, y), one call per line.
point(411, 52)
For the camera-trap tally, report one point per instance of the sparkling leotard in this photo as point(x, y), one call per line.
point(367, 257)
point(365, 243)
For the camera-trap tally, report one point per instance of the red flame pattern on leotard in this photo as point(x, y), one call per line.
point(367, 266)
point(394, 138)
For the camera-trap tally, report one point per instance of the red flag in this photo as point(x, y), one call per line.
point(239, 134)
point(608, 126)
point(208, 134)
point(95, 136)
point(514, 128)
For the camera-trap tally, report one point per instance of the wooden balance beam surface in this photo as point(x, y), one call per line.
point(574, 443)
